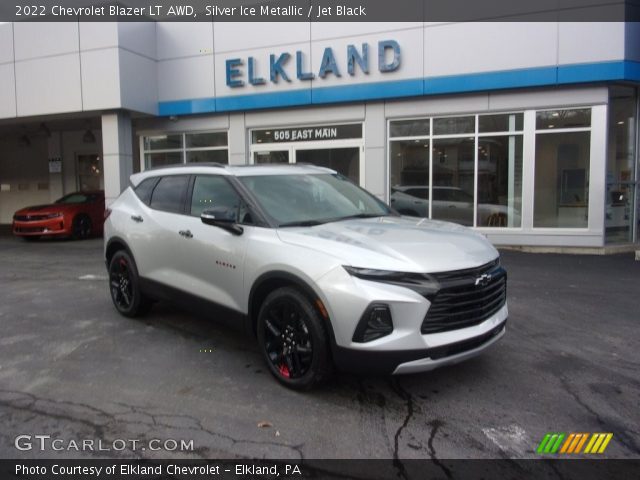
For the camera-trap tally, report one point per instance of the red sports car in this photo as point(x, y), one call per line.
point(77, 215)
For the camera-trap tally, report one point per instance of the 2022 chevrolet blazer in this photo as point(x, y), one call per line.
point(323, 273)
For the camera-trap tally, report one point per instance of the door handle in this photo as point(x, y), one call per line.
point(136, 218)
point(186, 233)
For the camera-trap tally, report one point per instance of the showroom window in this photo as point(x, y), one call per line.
point(436, 163)
point(621, 165)
point(169, 149)
point(561, 183)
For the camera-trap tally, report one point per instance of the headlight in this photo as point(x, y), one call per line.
point(53, 215)
point(421, 283)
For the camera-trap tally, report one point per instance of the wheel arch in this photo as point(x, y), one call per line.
point(270, 281)
point(113, 245)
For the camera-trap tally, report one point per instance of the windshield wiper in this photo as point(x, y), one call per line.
point(311, 223)
point(360, 215)
point(303, 223)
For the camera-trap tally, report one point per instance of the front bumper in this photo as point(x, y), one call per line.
point(406, 349)
point(415, 361)
point(50, 226)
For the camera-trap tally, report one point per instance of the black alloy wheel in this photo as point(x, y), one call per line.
point(293, 339)
point(81, 227)
point(124, 285)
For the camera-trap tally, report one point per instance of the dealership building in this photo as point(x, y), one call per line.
point(527, 132)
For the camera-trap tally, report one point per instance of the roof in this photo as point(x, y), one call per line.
point(232, 170)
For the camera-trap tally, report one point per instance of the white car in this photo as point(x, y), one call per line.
point(321, 271)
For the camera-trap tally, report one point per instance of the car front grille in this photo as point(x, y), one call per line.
point(30, 230)
point(29, 218)
point(466, 298)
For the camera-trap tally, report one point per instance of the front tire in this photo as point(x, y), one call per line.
point(293, 339)
point(124, 285)
point(81, 227)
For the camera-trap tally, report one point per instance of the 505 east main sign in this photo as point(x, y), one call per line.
point(240, 71)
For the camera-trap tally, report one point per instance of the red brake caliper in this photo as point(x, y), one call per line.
point(284, 370)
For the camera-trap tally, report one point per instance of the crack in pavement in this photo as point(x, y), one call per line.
point(620, 430)
point(106, 422)
point(394, 384)
point(435, 426)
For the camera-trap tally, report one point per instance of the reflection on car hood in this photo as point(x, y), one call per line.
point(49, 208)
point(396, 243)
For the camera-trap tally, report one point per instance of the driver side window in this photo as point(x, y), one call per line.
point(214, 192)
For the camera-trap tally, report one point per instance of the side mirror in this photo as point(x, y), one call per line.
point(222, 217)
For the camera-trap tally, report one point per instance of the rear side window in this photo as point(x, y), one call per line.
point(169, 194)
point(144, 189)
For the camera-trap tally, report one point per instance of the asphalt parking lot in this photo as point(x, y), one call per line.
point(72, 368)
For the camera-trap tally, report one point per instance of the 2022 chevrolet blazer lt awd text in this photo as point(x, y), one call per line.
point(321, 271)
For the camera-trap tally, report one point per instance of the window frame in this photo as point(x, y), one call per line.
point(550, 131)
point(476, 135)
point(183, 150)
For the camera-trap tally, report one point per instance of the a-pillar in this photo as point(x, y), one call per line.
point(117, 150)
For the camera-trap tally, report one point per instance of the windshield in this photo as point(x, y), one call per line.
point(74, 198)
point(312, 199)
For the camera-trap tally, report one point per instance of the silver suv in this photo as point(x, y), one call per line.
point(321, 271)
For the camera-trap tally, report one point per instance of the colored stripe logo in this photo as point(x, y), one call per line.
point(573, 443)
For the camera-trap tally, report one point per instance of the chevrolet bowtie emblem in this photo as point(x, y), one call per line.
point(483, 279)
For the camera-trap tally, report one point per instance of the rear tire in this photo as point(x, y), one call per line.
point(293, 339)
point(124, 285)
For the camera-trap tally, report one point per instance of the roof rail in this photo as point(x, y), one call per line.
point(180, 165)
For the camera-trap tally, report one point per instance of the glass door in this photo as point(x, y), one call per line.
point(338, 147)
point(343, 160)
point(271, 156)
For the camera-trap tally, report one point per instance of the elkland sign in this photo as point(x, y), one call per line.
point(240, 72)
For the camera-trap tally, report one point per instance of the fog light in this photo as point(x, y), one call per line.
point(375, 323)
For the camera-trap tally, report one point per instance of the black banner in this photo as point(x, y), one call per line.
point(507, 469)
point(319, 10)
point(307, 134)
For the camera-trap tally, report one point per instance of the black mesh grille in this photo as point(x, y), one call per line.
point(26, 218)
point(466, 297)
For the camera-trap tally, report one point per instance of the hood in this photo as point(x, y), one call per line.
point(396, 243)
point(49, 208)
